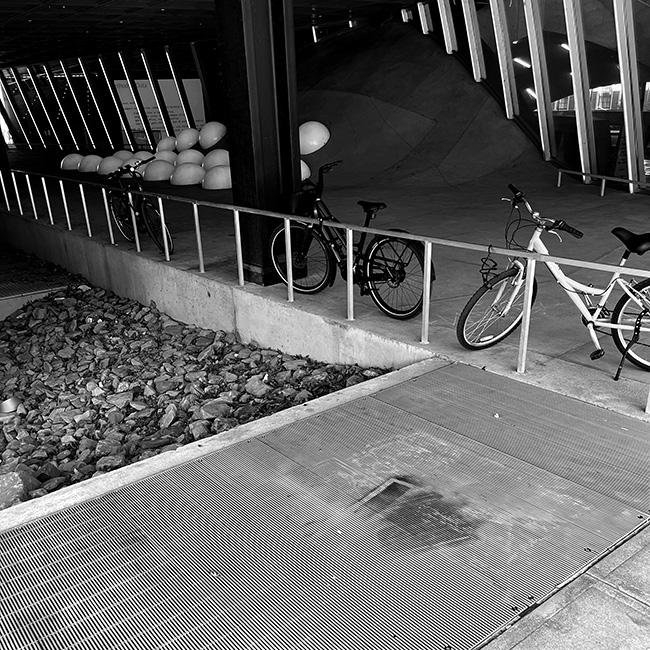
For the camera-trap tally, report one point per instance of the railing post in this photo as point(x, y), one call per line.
point(31, 195)
point(134, 222)
point(4, 190)
point(349, 261)
point(525, 321)
point(288, 255)
point(426, 292)
point(161, 212)
point(83, 202)
point(197, 228)
point(108, 216)
point(238, 250)
point(559, 178)
point(47, 200)
point(20, 205)
point(64, 198)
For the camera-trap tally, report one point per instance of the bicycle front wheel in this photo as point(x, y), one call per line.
point(151, 218)
point(312, 262)
point(121, 213)
point(629, 312)
point(494, 312)
point(395, 276)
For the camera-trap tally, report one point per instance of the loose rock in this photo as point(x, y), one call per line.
point(104, 381)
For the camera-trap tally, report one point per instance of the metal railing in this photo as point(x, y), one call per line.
point(426, 241)
point(586, 177)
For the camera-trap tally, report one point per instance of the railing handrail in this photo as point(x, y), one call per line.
point(531, 257)
point(482, 248)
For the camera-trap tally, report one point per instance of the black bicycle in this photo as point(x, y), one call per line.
point(127, 205)
point(390, 269)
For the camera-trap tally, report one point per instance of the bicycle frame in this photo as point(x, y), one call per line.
point(335, 239)
point(579, 293)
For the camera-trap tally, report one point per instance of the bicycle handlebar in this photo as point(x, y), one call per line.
point(563, 225)
point(129, 169)
point(560, 224)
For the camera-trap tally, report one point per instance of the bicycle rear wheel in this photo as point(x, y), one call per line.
point(151, 218)
point(394, 270)
point(313, 265)
point(627, 312)
point(494, 312)
point(121, 212)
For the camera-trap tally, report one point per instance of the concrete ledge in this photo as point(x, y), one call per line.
point(207, 301)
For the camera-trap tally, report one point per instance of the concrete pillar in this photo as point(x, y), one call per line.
point(255, 54)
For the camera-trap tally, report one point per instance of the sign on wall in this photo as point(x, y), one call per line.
point(171, 99)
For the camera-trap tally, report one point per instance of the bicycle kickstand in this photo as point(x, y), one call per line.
point(633, 340)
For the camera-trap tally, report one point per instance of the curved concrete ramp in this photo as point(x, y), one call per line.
point(398, 107)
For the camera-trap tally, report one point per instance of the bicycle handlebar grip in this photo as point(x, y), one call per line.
point(563, 225)
point(518, 194)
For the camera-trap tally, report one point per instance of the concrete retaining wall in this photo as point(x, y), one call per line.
point(203, 301)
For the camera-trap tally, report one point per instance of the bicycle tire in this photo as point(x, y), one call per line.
point(394, 271)
point(313, 264)
point(121, 213)
point(151, 218)
point(480, 325)
point(626, 312)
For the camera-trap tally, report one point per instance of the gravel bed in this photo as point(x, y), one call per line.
point(104, 381)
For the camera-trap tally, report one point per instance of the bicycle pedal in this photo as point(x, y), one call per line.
point(597, 354)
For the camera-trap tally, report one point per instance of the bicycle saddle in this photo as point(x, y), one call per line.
point(371, 206)
point(638, 244)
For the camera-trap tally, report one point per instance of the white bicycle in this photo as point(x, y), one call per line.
point(496, 310)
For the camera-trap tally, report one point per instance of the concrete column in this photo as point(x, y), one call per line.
point(255, 52)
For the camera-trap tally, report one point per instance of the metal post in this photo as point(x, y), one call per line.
point(349, 263)
point(288, 256)
point(117, 103)
point(540, 76)
point(100, 112)
point(20, 205)
point(474, 39)
point(83, 201)
point(580, 80)
point(77, 103)
point(65, 205)
point(4, 190)
point(448, 29)
point(47, 200)
point(197, 228)
point(426, 292)
point(238, 249)
point(161, 212)
point(180, 89)
point(33, 77)
point(50, 78)
point(504, 54)
point(425, 17)
point(31, 195)
point(108, 216)
point(525, 323)
point(632, 107)
point(134, 222)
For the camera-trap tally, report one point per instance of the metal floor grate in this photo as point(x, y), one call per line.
point(410, 519)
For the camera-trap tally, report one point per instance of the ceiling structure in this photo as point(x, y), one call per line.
point(37, 31)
